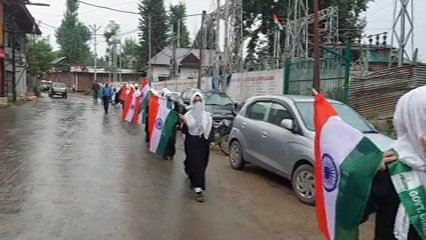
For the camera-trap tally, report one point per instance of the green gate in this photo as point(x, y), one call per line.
point(334, 83)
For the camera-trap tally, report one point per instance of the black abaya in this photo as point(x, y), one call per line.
point(197, 158)
point(384, 202)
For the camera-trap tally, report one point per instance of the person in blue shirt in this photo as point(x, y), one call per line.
point(107, 92)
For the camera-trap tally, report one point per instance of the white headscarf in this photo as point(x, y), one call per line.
point(410, 126)
point(166, 92)
point(199, 121)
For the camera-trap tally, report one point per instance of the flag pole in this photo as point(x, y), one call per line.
point(314, 91)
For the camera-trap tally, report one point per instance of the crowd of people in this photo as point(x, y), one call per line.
point(399, 214)
point(193, 121)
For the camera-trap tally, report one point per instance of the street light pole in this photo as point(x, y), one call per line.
point(95, 29)
point(317, 57)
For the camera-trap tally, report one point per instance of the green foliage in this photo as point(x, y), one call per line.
point(112, 38)
point(40, 55)
point(129, 53)
point(151, 12)
point(176, 20)
point(257, 16)
point(73, 36)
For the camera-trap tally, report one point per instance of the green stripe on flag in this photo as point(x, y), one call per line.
point(412, 194)
point(166, 132)
point(356, 176)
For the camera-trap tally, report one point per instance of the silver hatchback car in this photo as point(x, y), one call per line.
point(276, 132)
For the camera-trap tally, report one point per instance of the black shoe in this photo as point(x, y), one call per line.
point(199, 197)
point(165, 158)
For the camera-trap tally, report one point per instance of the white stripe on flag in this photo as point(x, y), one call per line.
point(129, 116)
point(162, 101)
point(159, 124)
point(337, 140)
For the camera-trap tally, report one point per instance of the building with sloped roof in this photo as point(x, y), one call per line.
point(187, 60)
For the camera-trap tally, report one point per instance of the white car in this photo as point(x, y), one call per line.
point(58, 88)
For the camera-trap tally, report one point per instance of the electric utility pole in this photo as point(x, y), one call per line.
point(149, 48)
point(95, 29)
point(317, 52)
point(201, 48)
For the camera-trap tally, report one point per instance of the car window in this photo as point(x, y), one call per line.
point(277, 113)
point(60, 85)
point(348, 115)
point(257, 110)
point(217, 98)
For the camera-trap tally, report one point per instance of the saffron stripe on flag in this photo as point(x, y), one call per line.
point(345, 165)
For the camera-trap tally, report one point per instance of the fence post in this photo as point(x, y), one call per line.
point(348, 60)
point(287, 71)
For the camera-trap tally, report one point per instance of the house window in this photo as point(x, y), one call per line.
point(162, 78)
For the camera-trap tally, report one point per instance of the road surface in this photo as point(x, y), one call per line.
point(67, 171)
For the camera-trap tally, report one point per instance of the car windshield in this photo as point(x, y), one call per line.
point(59, 85)
point(306, 111)
point(217, 98)
point(175, 95)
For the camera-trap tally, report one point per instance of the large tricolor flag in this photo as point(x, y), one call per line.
point(140, 110)
point(277, 22)
point(164, 121)
point(129, 106)
point(154, 104)
point(345, 164)
point(122, 95)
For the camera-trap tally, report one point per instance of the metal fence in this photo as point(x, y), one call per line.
point(335, 70)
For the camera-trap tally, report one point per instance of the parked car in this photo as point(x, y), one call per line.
point(276, 132)
point(45, 85)
point(222, 108)
point(58, 88)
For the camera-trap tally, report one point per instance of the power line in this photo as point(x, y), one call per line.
point(108, 8)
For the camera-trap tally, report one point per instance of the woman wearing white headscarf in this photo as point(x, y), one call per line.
point(197, 128)
point(398, 195)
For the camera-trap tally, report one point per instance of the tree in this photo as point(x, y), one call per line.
point(40, 55)
point(177, 23)
point(73, 36)
point(129, 53)
point(112, 38)
point(151, 12)
point(257, 19)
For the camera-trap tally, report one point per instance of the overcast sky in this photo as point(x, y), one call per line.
point(379, 17)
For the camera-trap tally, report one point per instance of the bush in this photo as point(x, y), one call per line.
point(88, 93)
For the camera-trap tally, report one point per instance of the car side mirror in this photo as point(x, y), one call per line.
point(236, 105)
point(287, 124)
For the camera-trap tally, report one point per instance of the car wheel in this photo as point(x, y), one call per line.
point(236, 159)
point(303, 184)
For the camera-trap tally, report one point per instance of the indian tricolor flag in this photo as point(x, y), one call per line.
point(165, 121)
point(154, 104)
point(277, 22)
point(129, 106)
point(122, 95)
point(345, 164)
point(138, 116)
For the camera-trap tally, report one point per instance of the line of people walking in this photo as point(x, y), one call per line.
point(194, 122)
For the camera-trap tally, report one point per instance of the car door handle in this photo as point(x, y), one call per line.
point(243, 125)
point(264, 134)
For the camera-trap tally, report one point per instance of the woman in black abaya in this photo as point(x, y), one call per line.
point(198, 124)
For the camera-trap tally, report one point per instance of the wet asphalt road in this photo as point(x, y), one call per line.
point(67, 171)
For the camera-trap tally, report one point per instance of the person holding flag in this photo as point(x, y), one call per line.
point(171, 145)
point(346, 163)
point(197, 129)
point(398, 196)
